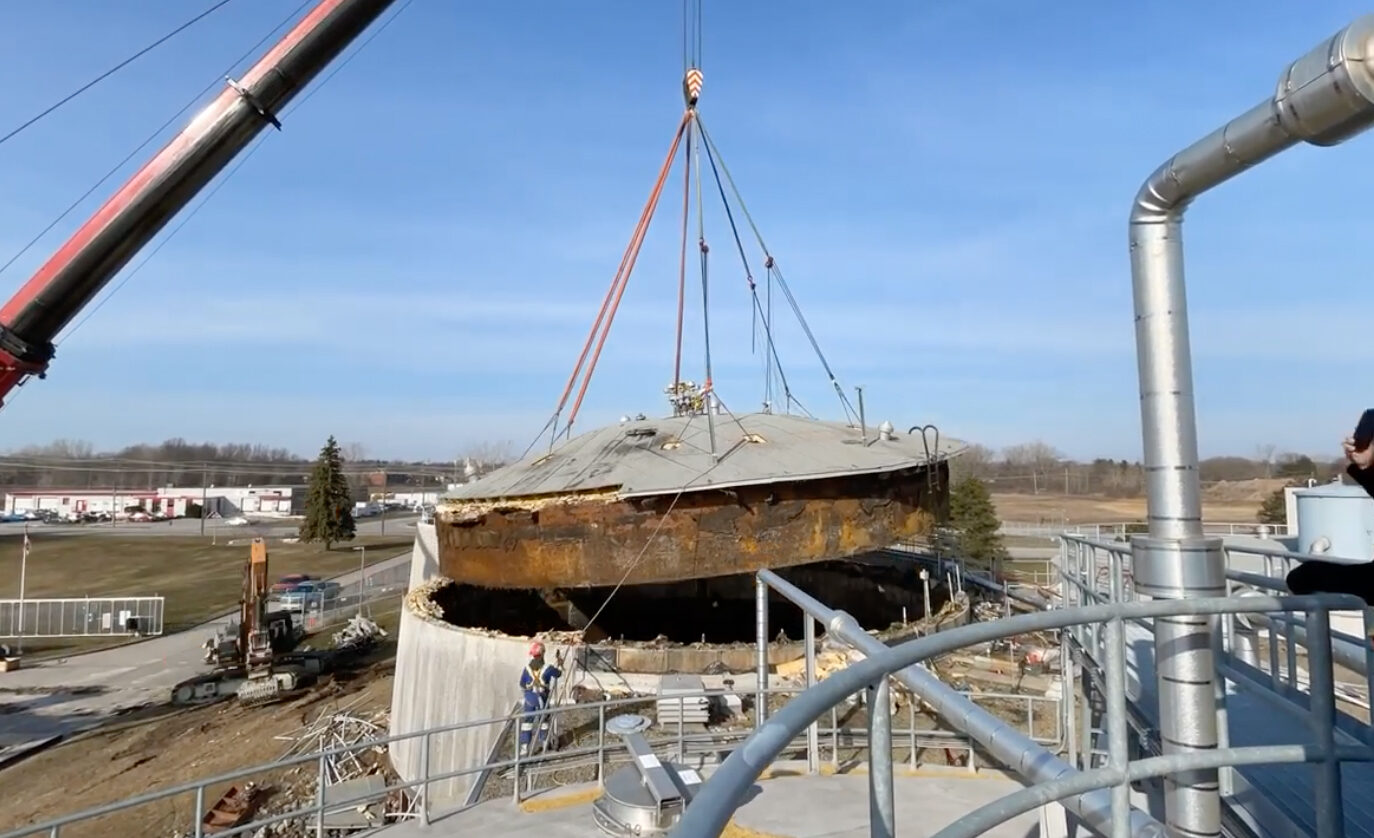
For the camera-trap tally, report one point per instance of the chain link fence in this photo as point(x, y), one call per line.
point(81, 617)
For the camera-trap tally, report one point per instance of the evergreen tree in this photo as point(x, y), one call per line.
point(329, 502)
point(1274, 509)
point(973, 518)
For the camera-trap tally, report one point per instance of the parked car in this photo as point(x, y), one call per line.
point(290, 581)
point(309, 595)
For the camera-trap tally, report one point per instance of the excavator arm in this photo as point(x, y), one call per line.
point(32, 319)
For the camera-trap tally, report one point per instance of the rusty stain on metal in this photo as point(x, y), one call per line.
point(594, 540)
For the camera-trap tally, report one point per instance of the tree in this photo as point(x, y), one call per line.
point(973, 518)
point(1274, 509)
point(329, 501)
point(974, 461)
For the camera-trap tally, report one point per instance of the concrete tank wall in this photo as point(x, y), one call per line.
point(446, 675)
point(1340, 514)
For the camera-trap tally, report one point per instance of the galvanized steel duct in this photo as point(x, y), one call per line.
point(1003, 741)
point(1322, 98)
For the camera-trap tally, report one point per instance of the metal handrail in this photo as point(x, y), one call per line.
point(554, 760)
point(725, 790)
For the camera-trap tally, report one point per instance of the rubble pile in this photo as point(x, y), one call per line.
point(360, 633)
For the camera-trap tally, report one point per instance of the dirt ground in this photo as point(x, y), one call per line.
point(1221, 502)
point(161, 747)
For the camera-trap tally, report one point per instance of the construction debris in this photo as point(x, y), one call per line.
point(359, 634)
point(420, 599)
point(297, 789)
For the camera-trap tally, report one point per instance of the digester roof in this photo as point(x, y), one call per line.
point(657, 456)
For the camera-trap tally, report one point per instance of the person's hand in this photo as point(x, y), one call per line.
point(1361, 459)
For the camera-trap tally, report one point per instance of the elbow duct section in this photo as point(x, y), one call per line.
point(1322, 98)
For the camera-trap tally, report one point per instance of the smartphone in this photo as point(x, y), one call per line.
point(1364, 431)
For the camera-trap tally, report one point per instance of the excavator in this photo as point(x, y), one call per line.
point(70, 279)
point(255, 662)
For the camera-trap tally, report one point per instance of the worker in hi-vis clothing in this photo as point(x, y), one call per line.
point(536, 681)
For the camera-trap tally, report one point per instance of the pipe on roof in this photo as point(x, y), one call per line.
point(1323, 98)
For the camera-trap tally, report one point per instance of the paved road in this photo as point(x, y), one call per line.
point(62, 696)
point(214, 527)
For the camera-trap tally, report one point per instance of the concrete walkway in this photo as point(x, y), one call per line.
point(788, 807)
point(62, 696)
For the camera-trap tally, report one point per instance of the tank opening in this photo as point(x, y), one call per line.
point(876, 589)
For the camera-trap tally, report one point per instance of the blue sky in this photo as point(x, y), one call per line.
point(414, 261)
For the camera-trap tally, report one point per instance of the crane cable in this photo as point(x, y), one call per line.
point(771, 264)
point(770, 347)
point(610, 305)
point(116, 68)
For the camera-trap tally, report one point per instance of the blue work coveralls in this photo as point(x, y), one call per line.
point(535, 684)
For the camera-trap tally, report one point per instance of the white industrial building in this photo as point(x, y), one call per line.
point(171, 501)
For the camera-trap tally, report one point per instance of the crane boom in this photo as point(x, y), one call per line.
point(31, 320)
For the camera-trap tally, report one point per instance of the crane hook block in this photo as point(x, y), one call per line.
point(691, 87)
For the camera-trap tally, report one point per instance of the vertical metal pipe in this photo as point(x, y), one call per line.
point(601, 746)
point(1290, 653)
point(1327, 782)
point(199, 814)
point(813, 748)
point(1323, 98)
point(1069, 703)
point(834, 738)
point(882, 819)
point(319, 797)
point(911, 731)
point(1224, 775)
point(515, 766)
point(1118, 754)
point(761, 638)
point(863, 425)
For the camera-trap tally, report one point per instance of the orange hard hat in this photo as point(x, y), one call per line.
point(536, 649)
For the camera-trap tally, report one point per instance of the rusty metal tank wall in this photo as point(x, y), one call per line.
point(573, 543)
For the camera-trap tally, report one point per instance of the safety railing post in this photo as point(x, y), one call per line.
point(681, 746)
point(882, 820)
point(813, 746)
point(319, 796)
point(761, 626)
point(834, 736)
point(601, 746)
point(198, 814)
point(911, 730)
point(424, 779)
point(515, 764)
point(1220, 648)
point(1118, 754)
point(1271, 629)
point(1322, 694)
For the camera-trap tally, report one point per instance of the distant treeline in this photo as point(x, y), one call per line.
point(1037, 467)
point(75, 464)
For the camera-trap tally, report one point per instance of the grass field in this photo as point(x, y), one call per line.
point(199, 579)
point(1093, 509)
